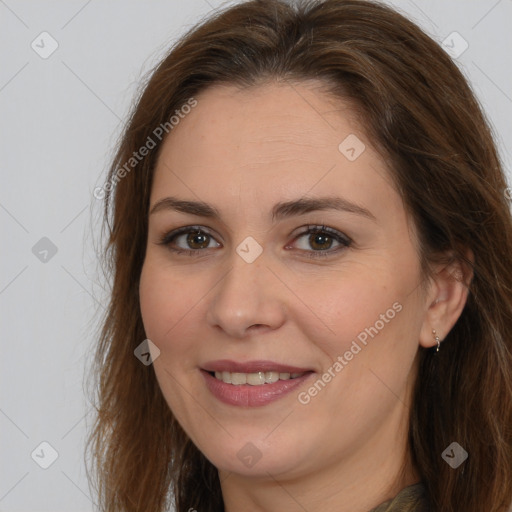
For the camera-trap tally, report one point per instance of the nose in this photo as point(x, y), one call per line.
point(248, 298)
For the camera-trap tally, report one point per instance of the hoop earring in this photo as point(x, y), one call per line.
point(436, 337)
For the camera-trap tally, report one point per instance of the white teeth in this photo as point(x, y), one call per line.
point(254, 379)
point(224, 376)
point(271, 377)
point(238, 378)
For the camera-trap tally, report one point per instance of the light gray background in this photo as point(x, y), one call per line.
point(60, 118)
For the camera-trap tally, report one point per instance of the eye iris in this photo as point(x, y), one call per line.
point(320, 239)
point(192, 238)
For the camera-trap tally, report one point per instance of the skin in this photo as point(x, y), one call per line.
point(242, 151)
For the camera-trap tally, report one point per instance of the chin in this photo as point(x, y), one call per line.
point(257, 459)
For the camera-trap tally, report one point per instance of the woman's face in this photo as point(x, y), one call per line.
point(255, 297)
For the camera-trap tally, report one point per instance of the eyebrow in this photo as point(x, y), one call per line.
point(280, 210)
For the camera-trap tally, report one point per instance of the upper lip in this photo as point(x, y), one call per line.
point(225, 365)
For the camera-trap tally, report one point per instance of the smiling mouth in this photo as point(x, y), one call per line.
point(254, 379)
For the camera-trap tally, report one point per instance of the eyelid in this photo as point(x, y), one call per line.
point(341, 238)
point(168, 236)
point(320, 228)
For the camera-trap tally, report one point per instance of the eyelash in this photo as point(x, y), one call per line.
point(342, 239)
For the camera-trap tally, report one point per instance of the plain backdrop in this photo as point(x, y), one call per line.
point(60, 116)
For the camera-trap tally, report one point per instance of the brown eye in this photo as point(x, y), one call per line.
point(190, 239)
point(198, 240)
point(320, 241)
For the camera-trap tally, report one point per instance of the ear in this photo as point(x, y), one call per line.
point(446, 299)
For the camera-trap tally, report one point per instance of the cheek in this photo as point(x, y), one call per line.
point(172, 312)
point(370, 319)
point(152, 305)
point(345, 306)
point(163, 300)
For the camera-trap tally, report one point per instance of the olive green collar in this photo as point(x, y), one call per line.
point(410, 499)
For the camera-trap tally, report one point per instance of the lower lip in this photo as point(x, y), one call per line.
point(246, 395)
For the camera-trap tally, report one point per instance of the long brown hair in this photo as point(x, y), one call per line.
point(419, 110)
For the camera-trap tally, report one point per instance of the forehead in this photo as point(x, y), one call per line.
point(268, 120)
point(269, 143)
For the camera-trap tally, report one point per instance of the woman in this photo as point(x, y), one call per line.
point(312, 296)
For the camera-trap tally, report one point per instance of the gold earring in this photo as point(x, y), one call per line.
point(436, 337)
